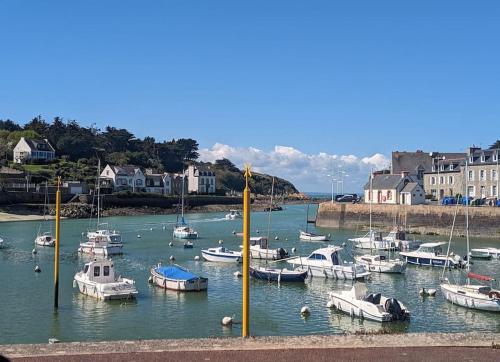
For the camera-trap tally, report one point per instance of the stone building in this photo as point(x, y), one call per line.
point(200, 179)
point(482, 173)
point(445, 178)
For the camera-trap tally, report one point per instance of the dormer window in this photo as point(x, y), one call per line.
point(495, 156)
point(483, 158)
point(442, 167)
point(433, 168)
point(471, 159)
point(451, 167)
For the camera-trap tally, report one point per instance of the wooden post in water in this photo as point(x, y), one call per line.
point(246, 255)
point(58, 241)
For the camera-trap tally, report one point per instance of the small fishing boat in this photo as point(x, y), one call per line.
point(327, 263)
point(431, 254)
point(103, 231)
point(373, 240)
point(358, 303)
point(46, 239)
point(188, 245)
point(183, 231)
point(221, 255)
point(233, 215)
point(485, 253)
point(381, 263)
point(278, 275)
point(98, 280)
point(397, 237)
point(175, 277)
point(307, 236)
point(259, 249)
point(99, 245)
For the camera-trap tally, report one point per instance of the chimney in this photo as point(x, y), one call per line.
point(404, 174)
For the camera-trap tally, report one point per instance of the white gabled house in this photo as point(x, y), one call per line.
point(394, 189)
point(31, 149)
point(158, 183)
point(124, 178)
point(200, 179)
point(412, 194)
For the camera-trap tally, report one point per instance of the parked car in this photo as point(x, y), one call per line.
point(348, 198)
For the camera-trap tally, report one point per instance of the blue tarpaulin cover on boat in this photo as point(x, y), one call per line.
point(174, 272)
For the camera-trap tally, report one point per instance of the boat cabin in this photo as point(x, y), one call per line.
point(433, 248)
point(373, 258)
point(100, 271)
point(330, 255)
point(262, 242)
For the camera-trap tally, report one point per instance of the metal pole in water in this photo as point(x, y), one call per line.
point(58, 239)
point(246, 256)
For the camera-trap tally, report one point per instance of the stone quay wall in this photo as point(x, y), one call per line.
point(419, 219)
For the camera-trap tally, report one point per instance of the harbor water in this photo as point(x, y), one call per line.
point(27, 315)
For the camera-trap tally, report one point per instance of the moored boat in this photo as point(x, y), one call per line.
point(183, 231)
point(485, 253)
point(472, 296)
point(381, 263)
point(98, 280)
point(46, 239)
point(359, 303)
point(327, 263)
point(259, 249)
point(374, 241)
point(99, 245)
point(307, 236)
point(278, 275)
point(175, 277)
point(221, 255)
point(431, 254)
point(233, 215)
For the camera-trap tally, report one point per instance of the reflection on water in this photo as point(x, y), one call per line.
point(27, 297)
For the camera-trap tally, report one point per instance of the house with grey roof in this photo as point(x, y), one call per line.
point(386, 188)
point(412, 194)
point(32, 149)
point(201, 179)
point(125, 177)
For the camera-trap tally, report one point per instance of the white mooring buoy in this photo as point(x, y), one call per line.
point(170, 244)
point(151, 229)
point(305, 311)
point(37, 269)
point(164, 227)
point(150, 280)
point(294, 250)
point(227, 321)
point(138, 236)
point(171, 258)
point(221, 242)
point(196, 258)
point(34, 251)
point(237, 274)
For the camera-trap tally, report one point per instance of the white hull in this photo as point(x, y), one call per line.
point(43, 242)
point(264, 254)
point(366, 243)
point(305, 236)
point(222, 257)
point(198, 285)
point(103, 250)
point(181, 234)
point(123, 289)
point(470, 297)
point(485, 253)
point(382, 266)
point(346, 272)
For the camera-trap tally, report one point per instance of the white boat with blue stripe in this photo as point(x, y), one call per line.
point(431, 254)
point(221, 255)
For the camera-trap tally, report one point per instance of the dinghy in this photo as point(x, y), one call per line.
point(278, 275)
point(177, 278)
point(221, 255)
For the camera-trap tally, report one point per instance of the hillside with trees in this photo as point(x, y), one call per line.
point(78, 147)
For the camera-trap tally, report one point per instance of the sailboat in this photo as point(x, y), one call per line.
point(468, 295)
point(307, 236)
point(182, 230)
point(276, 274)
point(45, 238)
point(380, 263)
point(102, 241)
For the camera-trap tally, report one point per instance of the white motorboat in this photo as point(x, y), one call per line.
point(306, 236)
point(1, 243)
point(113, 237)
point(374, 241)
point(184, 232)
point(381, 263)
point(397, 237)
point(431, 254)
point(46, 239)
point(221, 255)
point(485, 253)
point(233, 215)
point(278, 275)
point(98, 280)
point(327, 263)
point(358, 303)
point(177, 278)
point(259, 249)
point(99, 245)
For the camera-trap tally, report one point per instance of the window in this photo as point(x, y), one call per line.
point(442, 167)
point(494, 175)
point(483, 191)
point(202, 181)
point(494, 191)
point(105, 270)
point(433, 180)
point(483, 158)
point(441, 180)
point(495, 156)
point(482, 175)
point(471, 191)
point(107, 172)
point(97, 271)
point(450, 180)
point(433, 168)
point(471, 175)
point(86, 269)
point(433, 193)
point(389, 195)
point(138, 182)
point(211, 181)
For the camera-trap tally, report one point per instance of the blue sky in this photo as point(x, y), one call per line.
point(355, 78)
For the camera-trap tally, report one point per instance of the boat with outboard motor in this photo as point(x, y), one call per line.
point(259, 249)
point(278, 275)
point(359, 303)
point(98, 279)
point(45, 239)
point(381, 263)
point(431, 254)
point(307, 236)
point(221, 255)
point(485, 253)
point(373, 240)
point(103, 231)
point(327, 263)
point(175, 277)
point(233, 214)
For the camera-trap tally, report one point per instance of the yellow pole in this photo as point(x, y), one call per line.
point(246, 256)
point(58, 239)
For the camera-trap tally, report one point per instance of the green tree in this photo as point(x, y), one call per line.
point(495, 145)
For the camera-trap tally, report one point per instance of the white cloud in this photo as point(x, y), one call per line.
point(306, 172)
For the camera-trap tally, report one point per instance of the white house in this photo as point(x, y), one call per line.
point(201, 179)
point(412, 194)
point(30, 149)
point(124, 177)
point(159, 183)
point(386, 188)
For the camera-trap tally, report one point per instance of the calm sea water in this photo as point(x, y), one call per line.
point(27, 316)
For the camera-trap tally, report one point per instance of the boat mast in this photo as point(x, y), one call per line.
point(467, 217)
point(98, 190)
point(371, 200)
point(182, 195)
point(269, 219)
point(307, 217)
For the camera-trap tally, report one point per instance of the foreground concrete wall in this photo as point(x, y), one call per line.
point(423, 219)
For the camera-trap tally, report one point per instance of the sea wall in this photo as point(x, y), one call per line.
point(419, 219)
point(23, 197)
